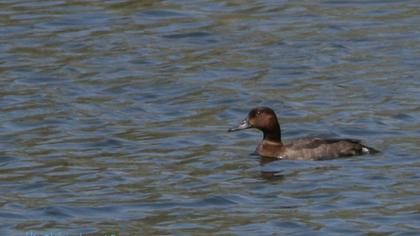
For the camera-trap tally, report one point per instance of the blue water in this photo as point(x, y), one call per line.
point(113, 117)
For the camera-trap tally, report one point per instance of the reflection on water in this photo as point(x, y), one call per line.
point(114, 116)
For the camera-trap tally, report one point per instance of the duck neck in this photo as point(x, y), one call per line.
point(273, 134)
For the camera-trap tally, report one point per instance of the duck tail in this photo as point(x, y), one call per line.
point(369, 150)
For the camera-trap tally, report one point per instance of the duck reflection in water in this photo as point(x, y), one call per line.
point(266, 173)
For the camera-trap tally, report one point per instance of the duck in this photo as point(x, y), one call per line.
point(308, 148)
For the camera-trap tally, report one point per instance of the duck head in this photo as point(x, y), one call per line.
point(264, 119)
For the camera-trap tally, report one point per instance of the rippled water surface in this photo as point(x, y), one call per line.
point(113, 116)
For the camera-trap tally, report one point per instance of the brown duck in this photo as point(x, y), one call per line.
point(264, 119)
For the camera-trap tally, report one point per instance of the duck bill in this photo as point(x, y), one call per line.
point(243, 125)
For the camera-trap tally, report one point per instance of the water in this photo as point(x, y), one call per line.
point(114, 116)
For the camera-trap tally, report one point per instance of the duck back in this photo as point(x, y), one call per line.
point(324, 149)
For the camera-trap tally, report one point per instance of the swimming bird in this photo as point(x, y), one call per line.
point(265, 120)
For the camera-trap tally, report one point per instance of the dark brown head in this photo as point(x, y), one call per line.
point(264, 119)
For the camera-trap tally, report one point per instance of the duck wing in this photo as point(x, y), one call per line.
point(312, 143)
point(323, 149)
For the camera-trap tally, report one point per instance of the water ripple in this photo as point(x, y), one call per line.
point(114, 116)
